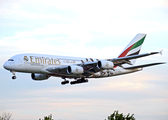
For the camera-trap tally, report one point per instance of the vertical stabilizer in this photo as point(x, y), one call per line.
point(134, 47)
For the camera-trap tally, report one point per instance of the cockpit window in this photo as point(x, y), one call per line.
point(10, 60)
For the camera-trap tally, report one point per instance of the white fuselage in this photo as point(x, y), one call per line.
point(38, 63)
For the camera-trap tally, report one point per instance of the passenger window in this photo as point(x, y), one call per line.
point(10, 60)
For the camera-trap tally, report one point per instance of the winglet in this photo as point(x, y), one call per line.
point(161, 52)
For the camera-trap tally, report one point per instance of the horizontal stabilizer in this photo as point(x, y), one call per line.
point(146, 65)
point(123, 60)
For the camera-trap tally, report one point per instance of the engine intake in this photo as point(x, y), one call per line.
point(75, 70)
point(38, 76)
point(105, 65)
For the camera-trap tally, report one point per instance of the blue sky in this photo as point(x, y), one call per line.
point(97, 29)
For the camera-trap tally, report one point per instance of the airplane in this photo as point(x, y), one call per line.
point(43, 66)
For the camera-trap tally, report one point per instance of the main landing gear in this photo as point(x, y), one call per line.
point(81, 80)
point(13, 77)
point(65, 81)
point(77, 81)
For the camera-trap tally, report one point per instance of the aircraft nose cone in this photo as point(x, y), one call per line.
point(6, 65)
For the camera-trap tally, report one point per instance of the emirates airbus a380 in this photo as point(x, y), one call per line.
point(43, 66)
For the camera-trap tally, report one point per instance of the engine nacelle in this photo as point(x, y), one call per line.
point(75, 70)
point(38, 76)
point(105, 65)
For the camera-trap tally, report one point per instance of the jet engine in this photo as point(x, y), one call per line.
point(75, 70)
point(105, 65)
point(38, 76)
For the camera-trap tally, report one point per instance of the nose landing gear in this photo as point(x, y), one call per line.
point(13, 77)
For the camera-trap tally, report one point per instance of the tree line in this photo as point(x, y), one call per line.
point(114, 116)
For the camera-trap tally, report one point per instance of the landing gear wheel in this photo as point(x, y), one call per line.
point(86, 80)
point(64, 82)
point(82, 80)
point(13, 77)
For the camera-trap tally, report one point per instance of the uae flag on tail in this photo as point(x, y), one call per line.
point(134, 47)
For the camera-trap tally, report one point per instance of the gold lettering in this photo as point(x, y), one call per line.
point(59, 63)
point(31, 59)
point(55, 61)
point(46, 60)
point(43, 60)
point(73, 61)
point(38, 60)
point(51, 60)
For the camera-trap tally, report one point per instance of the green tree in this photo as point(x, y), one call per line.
point(117, 116)
point(49, 117)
